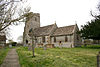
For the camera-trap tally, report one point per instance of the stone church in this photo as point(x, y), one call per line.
point(50, 35)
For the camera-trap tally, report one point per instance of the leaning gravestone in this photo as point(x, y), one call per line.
point(29, 47)
point(45, 47)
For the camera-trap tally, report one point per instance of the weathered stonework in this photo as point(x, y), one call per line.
point(46, 35)
point(32, 21)
point(2, 39)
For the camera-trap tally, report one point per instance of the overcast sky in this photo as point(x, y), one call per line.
point(64, 12)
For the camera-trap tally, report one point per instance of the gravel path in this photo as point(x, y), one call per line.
point(11, 60)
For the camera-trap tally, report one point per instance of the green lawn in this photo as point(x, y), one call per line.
point(3, 53)
point(59, 57)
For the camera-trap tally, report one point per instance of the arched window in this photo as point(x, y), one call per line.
point(26, 41)
point(77, 37)
point(43, 39)
point(54, 39)
point(35, 19)
point(66, 39)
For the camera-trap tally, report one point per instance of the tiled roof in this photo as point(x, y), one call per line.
point(46, 30)
point(64, 30)
point(42, 31)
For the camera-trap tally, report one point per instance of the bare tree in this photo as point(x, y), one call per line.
point(8, 10)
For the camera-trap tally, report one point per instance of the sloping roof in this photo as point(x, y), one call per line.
point(64, 30)
point(42, 31)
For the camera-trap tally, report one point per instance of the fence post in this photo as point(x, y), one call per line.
point(98, 59)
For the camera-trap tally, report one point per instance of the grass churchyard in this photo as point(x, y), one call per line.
point(59, 57)
point(3, 53)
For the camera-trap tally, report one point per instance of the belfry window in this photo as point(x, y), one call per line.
point(35, 19)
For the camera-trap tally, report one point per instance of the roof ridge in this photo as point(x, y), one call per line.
point(66, 26)
point(48, 25)
point(44, 26)
point(64, 30)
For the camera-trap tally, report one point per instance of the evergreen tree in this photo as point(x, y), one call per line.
point(91, 30)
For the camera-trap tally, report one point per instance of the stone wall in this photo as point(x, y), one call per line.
point(76, 37)
point(2, 39)
point(39, 40)
point(33, 21)
point(68, 43)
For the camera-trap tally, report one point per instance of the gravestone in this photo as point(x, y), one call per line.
point(10, 46)
point(45, 47)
